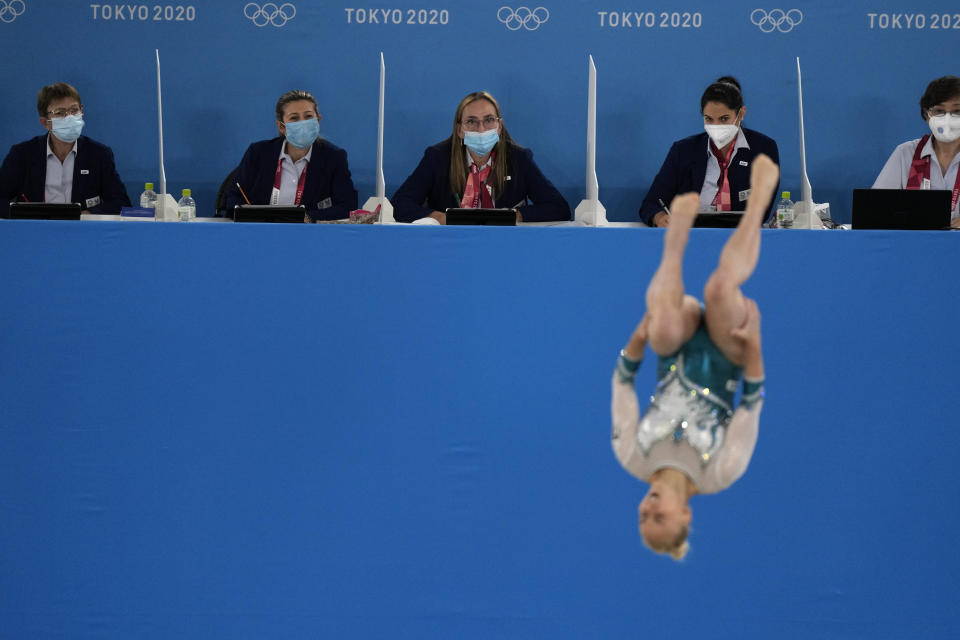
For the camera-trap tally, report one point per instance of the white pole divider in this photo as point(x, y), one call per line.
point(166, 205)
point(590, 212)
point(804, 209)
point(380, 197)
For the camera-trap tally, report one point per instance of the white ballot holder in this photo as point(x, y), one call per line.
point(590, 212)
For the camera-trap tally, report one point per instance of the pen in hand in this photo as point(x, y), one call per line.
point(242, 193)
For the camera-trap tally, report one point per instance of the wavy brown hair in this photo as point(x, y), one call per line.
point(458, 166)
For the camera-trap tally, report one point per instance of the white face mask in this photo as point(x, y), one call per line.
point(945, 128)
point(721, 134)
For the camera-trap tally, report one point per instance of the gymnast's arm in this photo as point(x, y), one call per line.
point(625, 409)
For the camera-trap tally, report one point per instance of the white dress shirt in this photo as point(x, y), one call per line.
point(290, 175)
point(709, 190)
point(59, 181)
point(897, 170)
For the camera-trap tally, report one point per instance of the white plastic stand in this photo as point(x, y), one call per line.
point(590, 213)
point(166, 208)
point(805, 217)
point(386, 209)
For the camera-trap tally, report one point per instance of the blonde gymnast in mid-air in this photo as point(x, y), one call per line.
point(690, 439)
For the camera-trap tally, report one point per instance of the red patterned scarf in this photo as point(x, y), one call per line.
point(475, 193)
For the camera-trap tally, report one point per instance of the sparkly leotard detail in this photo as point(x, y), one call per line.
point(693, 401)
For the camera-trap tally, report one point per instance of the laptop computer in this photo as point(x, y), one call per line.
point(489, 217)
point(901, 209)
point(44, 211)
point(718, 219)
point(268, 213)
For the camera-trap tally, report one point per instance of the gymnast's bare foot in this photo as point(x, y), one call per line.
point(763, 176)
point(683, 209)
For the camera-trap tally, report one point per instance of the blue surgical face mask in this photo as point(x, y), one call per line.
point(67, 128)
point(302, 133)
point(481, 142)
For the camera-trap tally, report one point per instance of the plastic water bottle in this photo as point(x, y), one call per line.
point(186, 207)
point(785, 211)
point(148, 199)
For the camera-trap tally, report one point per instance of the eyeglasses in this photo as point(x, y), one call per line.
point(63, 113)
point(933, 113)
point(473, 124)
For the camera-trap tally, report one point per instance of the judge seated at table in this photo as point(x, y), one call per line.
point(478, 166)
point(61, 165)
point(933, 160)
point(298, 167)
point(715, 163)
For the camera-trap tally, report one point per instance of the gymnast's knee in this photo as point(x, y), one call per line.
point(665, 331)
point(720, 286)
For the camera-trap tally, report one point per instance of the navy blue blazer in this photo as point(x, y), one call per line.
point(24, 173)
point(328, 192)
point(430, 183)
point(686, 166)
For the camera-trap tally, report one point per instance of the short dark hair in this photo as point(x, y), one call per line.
point(940, 90)
point(725, 90)
point(55, 91)
point(293, 96)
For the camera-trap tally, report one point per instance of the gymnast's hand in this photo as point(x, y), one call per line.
point(638, 341)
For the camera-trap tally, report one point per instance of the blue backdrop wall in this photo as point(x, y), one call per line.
point(226, 62)
point(223, 431)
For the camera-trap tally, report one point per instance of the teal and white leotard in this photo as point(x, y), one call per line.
point(690, 423)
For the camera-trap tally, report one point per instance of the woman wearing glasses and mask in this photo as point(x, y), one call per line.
point(62, 165)
point(931, 162)
point(478, 166)
point(715, 163)
point(297, 168)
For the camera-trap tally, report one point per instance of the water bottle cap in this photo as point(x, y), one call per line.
point(786, 194)
point(148, 186)
point(186, 193)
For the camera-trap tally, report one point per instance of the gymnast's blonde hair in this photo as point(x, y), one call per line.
point(676, 548)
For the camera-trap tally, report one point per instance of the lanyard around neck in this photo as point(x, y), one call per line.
point(275, 195)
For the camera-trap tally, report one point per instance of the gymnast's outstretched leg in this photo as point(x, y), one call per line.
point(672, 317)
point(726, 307)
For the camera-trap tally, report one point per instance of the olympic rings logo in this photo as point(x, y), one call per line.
point(269, 13)
point(523, 17)
point(10, 11)
point(782, 21)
